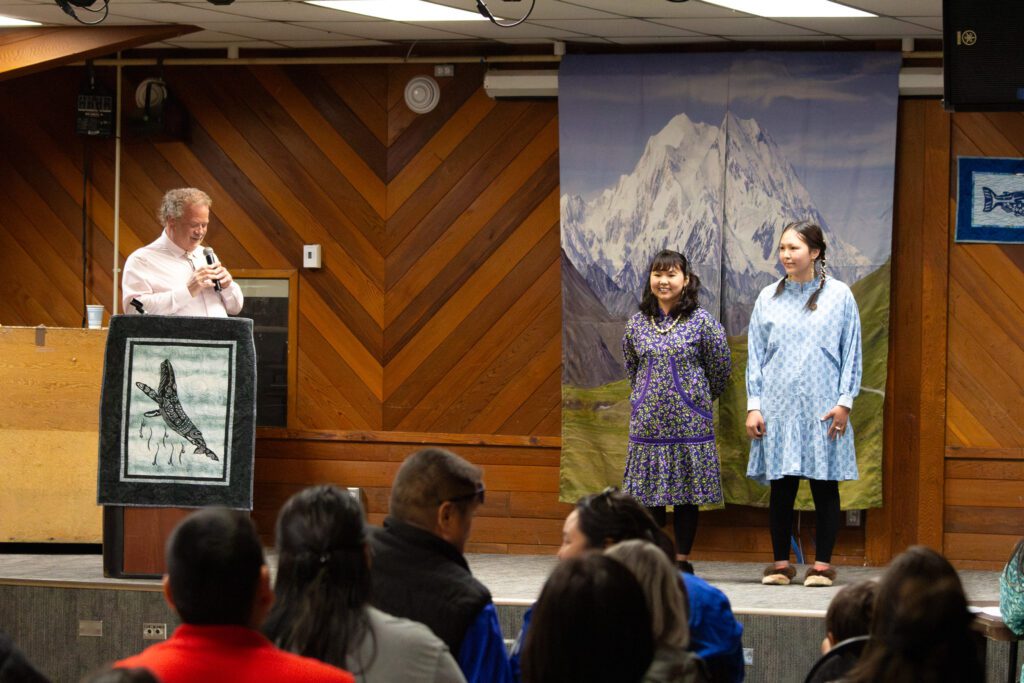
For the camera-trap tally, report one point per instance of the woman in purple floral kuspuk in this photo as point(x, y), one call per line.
point(678, 362)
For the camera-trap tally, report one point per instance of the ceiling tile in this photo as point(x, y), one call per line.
point(281, 11)
point(859, 26)
point(656, 40)
point(899, 8)
point(388, 30)
point(659, 8)
point(339, 42)
point(485, 29)
point(208, 38)
point(543, 9)
point(610, 28)
point(168, 12)
point(270, 30)
point(745, 26)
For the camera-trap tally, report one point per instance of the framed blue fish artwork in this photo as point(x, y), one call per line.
point(990, 200)
point(177, 416)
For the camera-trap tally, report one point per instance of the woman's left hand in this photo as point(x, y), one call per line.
point(840, 416)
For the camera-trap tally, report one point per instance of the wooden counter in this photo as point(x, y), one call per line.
point(49, 432)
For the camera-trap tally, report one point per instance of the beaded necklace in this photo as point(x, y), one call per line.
point(665, 330)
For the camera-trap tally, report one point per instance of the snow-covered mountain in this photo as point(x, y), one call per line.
point(691, 180)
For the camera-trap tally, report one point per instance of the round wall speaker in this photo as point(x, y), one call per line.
point(422, 93)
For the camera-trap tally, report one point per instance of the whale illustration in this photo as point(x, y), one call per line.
point(1010, 202)
point(166, 397)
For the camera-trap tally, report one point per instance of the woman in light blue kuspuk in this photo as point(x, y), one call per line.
point(803, 371)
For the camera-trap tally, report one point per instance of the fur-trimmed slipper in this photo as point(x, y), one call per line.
point(819, 577)
point(778, 576)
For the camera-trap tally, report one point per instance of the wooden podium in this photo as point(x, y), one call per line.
point(134, 540)
point(190, 382)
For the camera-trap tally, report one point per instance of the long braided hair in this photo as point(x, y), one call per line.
point(812, 236)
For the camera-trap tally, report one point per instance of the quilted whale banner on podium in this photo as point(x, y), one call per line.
point(178, 412)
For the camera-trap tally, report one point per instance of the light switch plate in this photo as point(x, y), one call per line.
point(311, 256)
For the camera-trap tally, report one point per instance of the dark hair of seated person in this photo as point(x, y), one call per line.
point(214, 559)
point(14, 666)
point(590, 625)
point(849, 613)
point(920, 630)
point(613, 516)
point(323, 576)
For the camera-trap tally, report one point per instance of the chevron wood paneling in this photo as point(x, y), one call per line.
point(436, 319)
point(437, 310)
point(984, 473)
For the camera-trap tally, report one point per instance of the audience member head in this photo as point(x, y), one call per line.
point(438, 491)
point(603, 519)
point(215, 570)
point(659, 579)
point(849, 613)
point(920, 629)
point(323, 575)
point(14, 666)
point(590, 625)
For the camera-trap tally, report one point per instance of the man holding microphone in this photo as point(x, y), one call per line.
point(173, 275)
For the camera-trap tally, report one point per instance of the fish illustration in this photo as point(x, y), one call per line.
point(1010, 202)
point(166, 397)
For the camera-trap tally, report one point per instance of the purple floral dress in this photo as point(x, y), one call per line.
point(674, 376)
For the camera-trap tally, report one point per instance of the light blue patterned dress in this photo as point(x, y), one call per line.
point(675, 372)
point(800, 365)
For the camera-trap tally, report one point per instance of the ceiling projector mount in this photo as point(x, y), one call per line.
point(69, 8)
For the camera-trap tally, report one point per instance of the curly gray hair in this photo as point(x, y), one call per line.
point(174, 203)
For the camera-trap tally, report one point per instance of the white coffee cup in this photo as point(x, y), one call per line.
point(94, 314)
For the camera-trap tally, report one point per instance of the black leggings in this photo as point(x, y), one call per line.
point(780, 516)
point(684, 524)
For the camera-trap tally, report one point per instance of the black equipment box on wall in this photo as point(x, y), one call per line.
point(983, 55)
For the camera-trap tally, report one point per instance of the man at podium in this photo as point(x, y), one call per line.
point(175, 275)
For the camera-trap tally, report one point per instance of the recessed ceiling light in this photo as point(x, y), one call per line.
point(400, 10)
point(792, 8)
point(11, 21)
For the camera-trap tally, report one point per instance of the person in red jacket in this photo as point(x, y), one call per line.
point(218, 583)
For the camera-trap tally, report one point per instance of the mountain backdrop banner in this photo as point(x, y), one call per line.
point(711, 155)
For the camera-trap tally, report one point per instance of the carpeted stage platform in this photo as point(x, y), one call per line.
point(43, 599)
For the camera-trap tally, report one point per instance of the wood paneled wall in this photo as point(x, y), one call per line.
point(984, 463)
point(436, 317)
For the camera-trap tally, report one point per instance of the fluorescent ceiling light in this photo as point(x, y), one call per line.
point(400, 10)
point(792, 8)
point(11, 21)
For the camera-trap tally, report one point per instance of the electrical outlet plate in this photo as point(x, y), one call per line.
point(92, 628)
point(154, 631)
point(748, 656)
point(853, 518)
point(444, 70)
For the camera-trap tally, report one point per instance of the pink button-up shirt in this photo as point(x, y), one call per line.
point(157, 275)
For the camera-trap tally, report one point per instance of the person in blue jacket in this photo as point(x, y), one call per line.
point(603, 519)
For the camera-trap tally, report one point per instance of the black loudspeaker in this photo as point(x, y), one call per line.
point(982, 55)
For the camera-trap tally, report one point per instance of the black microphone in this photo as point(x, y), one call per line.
point(211, 259)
